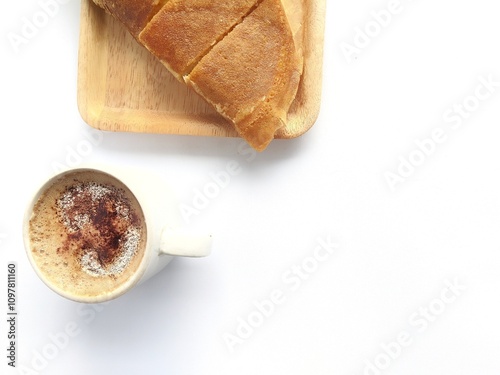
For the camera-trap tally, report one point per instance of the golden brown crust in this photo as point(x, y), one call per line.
point(185, 30)
point(251, 76)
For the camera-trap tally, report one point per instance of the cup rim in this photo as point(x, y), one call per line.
point(129, 283)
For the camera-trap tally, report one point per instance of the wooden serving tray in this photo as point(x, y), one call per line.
point(122, 87)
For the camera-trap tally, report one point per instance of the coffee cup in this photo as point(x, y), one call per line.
point(93, 233)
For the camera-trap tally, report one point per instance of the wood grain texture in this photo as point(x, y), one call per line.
point(122, 87)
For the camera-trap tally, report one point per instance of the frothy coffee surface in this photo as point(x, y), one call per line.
point(87, 233)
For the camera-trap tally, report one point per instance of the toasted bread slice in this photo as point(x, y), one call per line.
point(252, 75)
point(183, 31)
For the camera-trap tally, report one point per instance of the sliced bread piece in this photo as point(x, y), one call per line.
point(252, 75)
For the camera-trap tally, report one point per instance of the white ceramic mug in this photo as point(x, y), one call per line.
point(163, 241)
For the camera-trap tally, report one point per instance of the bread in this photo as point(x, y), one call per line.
point(184, 30)
point(239, 55)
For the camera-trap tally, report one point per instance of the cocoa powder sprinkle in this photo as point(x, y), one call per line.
point(102, 224)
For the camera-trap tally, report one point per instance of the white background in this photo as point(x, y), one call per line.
point(397, 248)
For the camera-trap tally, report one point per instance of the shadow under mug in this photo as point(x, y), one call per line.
point(161, 241)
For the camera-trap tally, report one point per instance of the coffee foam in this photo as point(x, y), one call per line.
point(87, 234)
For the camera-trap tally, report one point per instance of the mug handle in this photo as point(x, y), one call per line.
point(176, 243)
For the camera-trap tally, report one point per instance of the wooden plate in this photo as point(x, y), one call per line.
point(122, 87)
